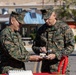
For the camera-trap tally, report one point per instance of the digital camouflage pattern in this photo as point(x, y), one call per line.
point(12, 51)
point(47, 11)
point(19, 16)
point(60, 41)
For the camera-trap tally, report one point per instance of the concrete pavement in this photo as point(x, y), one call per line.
point(72, 60)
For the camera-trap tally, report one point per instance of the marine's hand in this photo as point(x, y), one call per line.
point(43, 49)
point(51, 56)
point(35, 58)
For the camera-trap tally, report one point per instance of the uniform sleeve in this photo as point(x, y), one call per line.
point(36, 44)
point(12, 49)
point(68, 43)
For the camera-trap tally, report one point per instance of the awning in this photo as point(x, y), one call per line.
point(33, 17)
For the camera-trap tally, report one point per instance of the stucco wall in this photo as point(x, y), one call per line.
point(23, 1)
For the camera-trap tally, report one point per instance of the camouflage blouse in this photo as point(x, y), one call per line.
point(59, 38)
point(12, 45)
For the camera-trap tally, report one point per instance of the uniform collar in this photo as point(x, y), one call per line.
point(52, 28)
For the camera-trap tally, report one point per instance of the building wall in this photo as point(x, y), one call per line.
point(24, 1)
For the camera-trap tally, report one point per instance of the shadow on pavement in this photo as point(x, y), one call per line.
point(73, 54)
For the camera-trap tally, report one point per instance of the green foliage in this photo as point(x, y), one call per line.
point(65, 12)
point(62, 14)
point(32, 35)
point(74, 12)
point(75, 38)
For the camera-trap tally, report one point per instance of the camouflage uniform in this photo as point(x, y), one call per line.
point(60, 41)
point(12, 51)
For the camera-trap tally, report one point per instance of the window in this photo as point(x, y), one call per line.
point(33, 13)
point(5, 11)
point(18, 10)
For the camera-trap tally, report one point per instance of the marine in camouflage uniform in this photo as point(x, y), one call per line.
point(12, 51)
point(59, 38)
